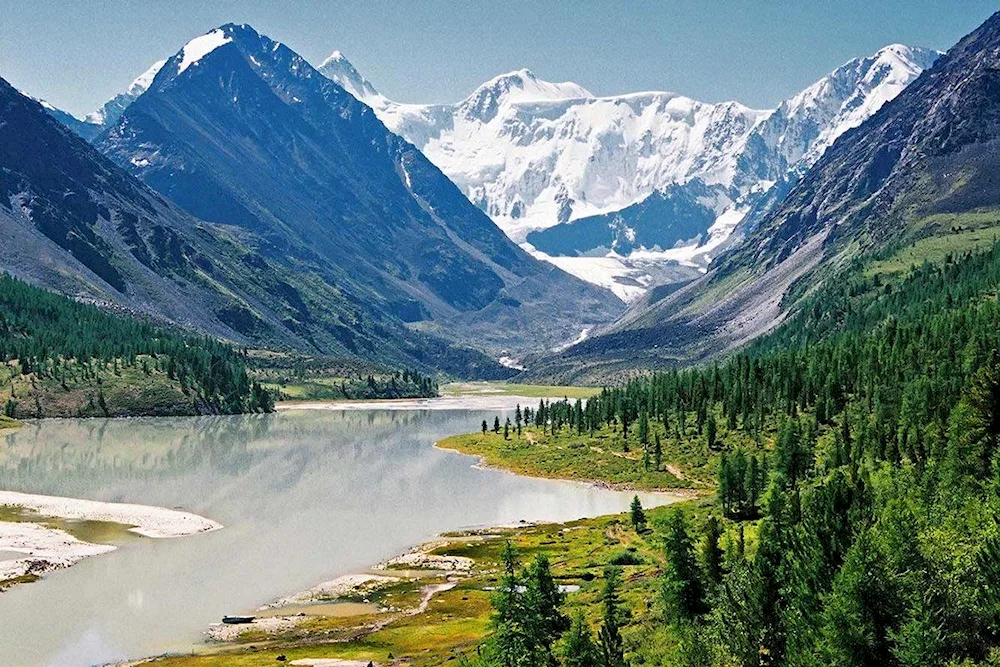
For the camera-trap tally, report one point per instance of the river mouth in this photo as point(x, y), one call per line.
point(304, 495)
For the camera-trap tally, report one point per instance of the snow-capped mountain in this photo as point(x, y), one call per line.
point(112, 110)
point(536, 155)
point(590, 183)
point(95, 122)
point(238, 129)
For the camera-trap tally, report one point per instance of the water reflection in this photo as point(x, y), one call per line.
point(304, 496)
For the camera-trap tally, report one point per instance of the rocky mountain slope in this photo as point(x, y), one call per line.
point(915, 181)
point(75, 222)
point(542, 158)
point(240, 130)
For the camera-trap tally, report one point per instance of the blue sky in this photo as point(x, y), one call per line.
point(78, 54)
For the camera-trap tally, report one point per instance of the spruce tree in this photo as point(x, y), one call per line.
point(683, 593)
point(578, 645)
point(609, 638)
point(509, 644)
point(637, 515)
point(711, 553)
point(544, 620)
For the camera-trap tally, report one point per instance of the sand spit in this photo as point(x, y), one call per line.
point(47, 548)
point(147, 520)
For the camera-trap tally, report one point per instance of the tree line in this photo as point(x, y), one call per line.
point(861, 524)
point(50, 336)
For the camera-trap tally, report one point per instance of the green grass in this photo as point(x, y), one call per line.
point(458, 619)
point(950, 234)
point(599, 458)
point(686, 460)
point(511, 389)
point(316, 389)
point(8, 422)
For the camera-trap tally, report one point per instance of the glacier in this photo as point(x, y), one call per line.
point(534, 155)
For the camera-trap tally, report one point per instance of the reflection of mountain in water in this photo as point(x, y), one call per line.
point(57, 456)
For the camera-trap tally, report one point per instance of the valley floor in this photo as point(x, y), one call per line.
point(432, 606)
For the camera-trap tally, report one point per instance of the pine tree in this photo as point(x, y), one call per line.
point(544, 620)
point(609, 638)
point(683, 593)
point(657, 452)
point(578, 645)
point(984, 397)
point(711, 553)
point(637, 515)
point(485, 427)
point(862, 609)
point(509, 644)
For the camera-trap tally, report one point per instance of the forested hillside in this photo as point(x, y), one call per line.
point(854, 519)
point(64, 358)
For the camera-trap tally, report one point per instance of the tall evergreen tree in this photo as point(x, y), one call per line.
point(609, 638)
point(711, 553)
point(578, 646)
point(544, 620)
point(510, 643)
point(683, 592)
point(637, 515)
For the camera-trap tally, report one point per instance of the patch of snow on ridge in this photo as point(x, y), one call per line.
point(510, 362)
point(199, 47)
point(143, 81)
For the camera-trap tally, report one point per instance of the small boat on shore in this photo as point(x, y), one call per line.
point(237, 620)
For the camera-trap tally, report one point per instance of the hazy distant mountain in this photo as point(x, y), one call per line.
point(112, 110)
point(536, 155)
point(238, 129)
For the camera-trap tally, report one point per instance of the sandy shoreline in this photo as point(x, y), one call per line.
point(47, 549)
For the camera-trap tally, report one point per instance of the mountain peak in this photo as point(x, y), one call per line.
point(199, 47)
point(339, 69)
point(524, 86)
point(515, 87)
point(849, 95)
